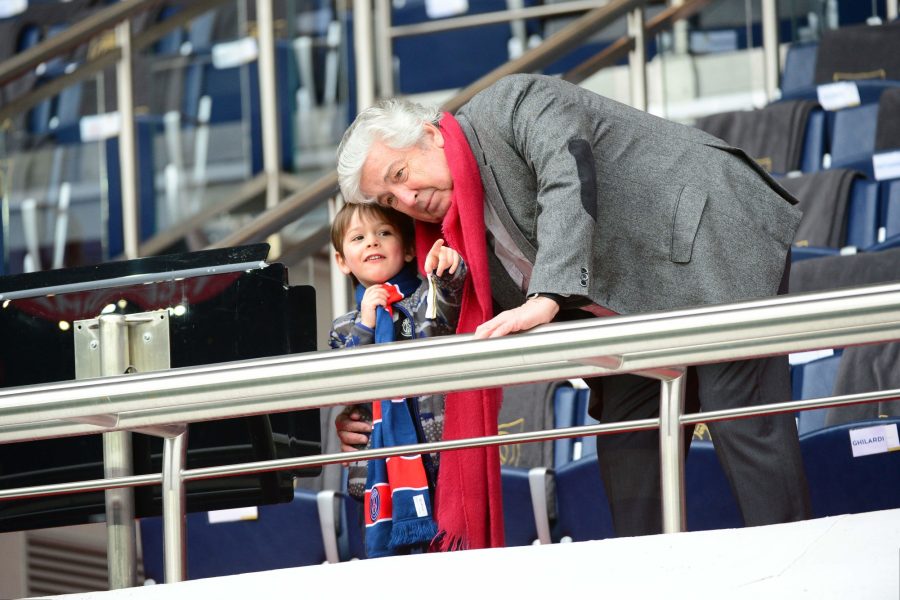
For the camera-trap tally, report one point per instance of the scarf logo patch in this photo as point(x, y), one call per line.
point(374, 502)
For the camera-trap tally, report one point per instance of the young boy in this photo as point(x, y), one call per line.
point(375, 246)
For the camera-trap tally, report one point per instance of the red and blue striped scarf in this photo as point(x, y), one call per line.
point(397, 501)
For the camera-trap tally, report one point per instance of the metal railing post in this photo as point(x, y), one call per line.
point(770, 48)
point(891, 10)
point(671, 451)
point(117, 462)
point(362, 42)
point(173, 501)
point(265, 27)
point(384, 44)
point(127, 142)
point(637, 59)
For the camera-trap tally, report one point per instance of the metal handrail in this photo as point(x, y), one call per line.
point(595, 347)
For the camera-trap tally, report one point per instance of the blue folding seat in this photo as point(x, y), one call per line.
point(852, 138)
point(709, 501)
point(840, 483)
point(814, 379)
point(863, 214)
point(581, 504)
point(526, 510)
point(299, 533)
point(799, 68)
point(890, 208)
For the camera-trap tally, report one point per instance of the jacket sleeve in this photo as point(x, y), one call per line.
point(348, 332)
point(543, 129)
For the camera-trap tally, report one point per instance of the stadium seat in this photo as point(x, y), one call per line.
point(301, 532)
point(709, 500)
point(840, 483)
point(814, 379)
point(526, 514)
point(581, 504)
point(852, 140)
point(799, 68)
point(863, 214)
point(890, 209)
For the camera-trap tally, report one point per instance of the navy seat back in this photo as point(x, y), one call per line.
point(852, 140)
point(710, 503)
point(284, 535)
point(840, 483)
point(799, 67)
point(814, 379)
point(890, 202)
point(863, 213)
point(581, 503)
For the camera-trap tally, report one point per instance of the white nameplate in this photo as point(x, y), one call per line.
point(229, 515)
point(874, 440)
point(841, 94)
point(800, 358)
point(437, 9)
point(886, 165)
point(234, 54)
point(94, 128)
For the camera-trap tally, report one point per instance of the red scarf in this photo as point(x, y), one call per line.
point(469, 501)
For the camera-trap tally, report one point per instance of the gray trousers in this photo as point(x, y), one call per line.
point(760, 456)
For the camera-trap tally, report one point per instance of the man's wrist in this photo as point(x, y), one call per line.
point(564, 301)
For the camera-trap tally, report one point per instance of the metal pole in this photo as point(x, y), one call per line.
point(340, 287)
point(770, 48)
point(173, 500)
point(268, 100)
point(384, 44)
point(891, 10)
point(362, 44)
point(679, 31)
point(671, 453)
point(127, 142)
point(637, 59)
point(117, 462)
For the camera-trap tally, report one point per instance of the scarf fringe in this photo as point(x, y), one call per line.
point(444, 542)
point(412, 533)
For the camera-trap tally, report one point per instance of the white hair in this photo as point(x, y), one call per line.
point(396, 122)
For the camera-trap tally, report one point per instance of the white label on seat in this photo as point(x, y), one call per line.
point(229, 515)
point(874, 440)
point(799, 358)
point(886, 165)
point(841, 94)
point(437, 9)
point(94, 128)
point(234, 54)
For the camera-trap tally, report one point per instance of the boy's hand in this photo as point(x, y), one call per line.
point(441, 258)
point(374, 297)
point(353, 430)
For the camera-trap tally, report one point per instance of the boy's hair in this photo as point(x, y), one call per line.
point(401, 222)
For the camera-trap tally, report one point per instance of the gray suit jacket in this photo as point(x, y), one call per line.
point(635, 212)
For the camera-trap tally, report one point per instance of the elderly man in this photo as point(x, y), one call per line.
point(567, 204)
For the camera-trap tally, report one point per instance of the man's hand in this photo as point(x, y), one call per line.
point(536, 311)
point(353, 430)
point(441, 258)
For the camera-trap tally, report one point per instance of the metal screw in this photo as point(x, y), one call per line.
point(147, 337)
point(94, 344)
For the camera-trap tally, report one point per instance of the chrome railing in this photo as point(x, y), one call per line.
point(659, 345)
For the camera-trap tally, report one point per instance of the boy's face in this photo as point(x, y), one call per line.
point(373, 250)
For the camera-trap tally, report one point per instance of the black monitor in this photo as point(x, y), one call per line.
point(223, 305)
